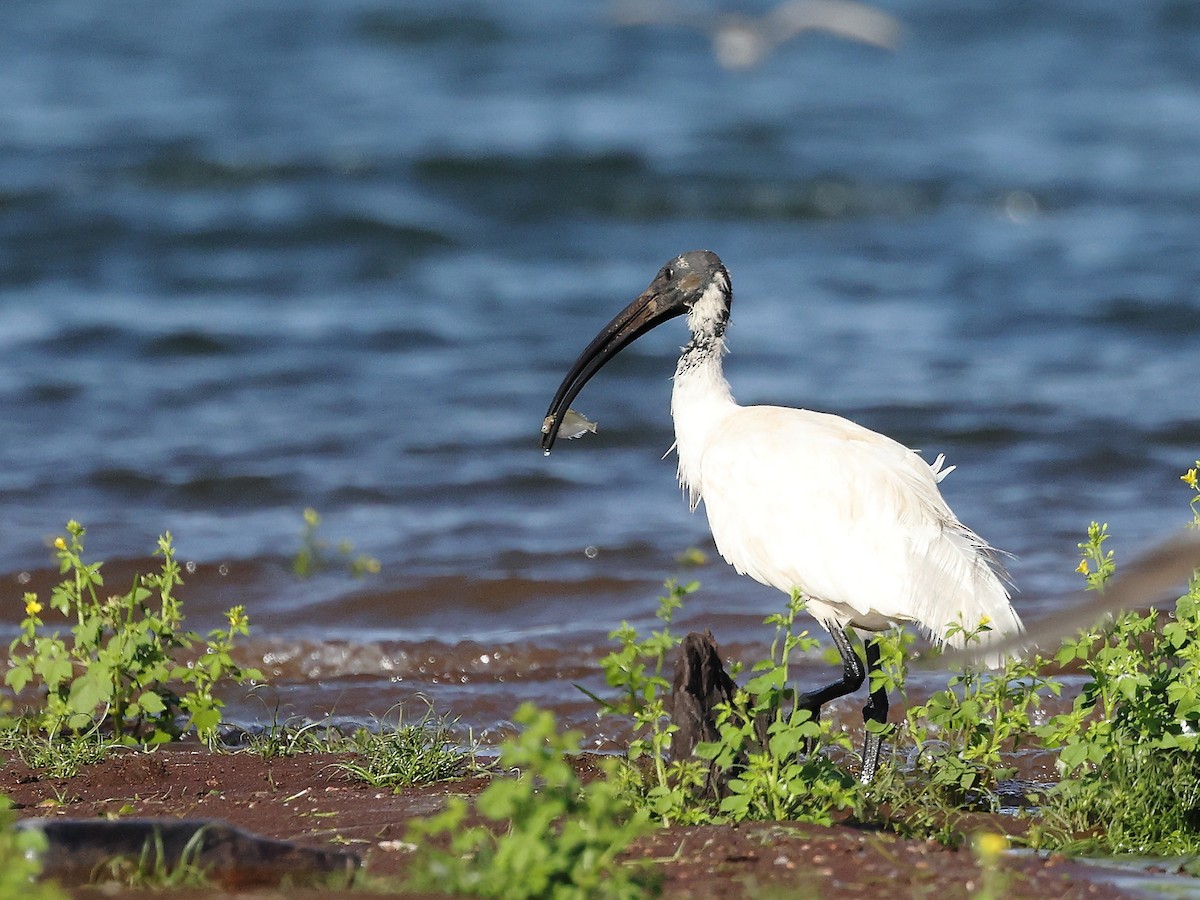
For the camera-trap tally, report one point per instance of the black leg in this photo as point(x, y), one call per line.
point(853, 675)
point(876, 710)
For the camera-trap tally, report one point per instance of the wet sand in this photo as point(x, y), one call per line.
point(308, 799)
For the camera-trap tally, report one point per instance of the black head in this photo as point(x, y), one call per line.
point(695, 283)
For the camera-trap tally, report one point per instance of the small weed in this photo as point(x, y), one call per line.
point(637, 670)
point(558, 837)
point(54, 754)
point(316, 553)
point(954, 743)
point(291, 737)
point(120, 670)
point(406, 754)
point(296, 736)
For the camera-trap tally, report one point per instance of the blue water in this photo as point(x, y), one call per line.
point(258, 258)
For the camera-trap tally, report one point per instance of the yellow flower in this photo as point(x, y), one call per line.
point(236, 615)
point(32, 607)
point(1189, 477)
point(60, 544)
point(1082, 568)
point(989, 845)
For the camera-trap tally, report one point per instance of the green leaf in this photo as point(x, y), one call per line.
point(17, 677)
point(151, 703)
point(90, 690)
point(206, 719)
point(53, 667)
point(769, 681)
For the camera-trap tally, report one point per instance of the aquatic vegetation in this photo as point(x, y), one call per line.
point(548, 833)
point(128, 669)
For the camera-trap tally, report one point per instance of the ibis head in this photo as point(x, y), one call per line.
point(694, 283)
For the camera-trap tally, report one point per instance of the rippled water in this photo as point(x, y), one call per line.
point(339, 256)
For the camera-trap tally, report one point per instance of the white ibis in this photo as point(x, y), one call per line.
point(808, 501)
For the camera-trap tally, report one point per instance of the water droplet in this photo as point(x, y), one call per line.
point(545, 453)
point(23, 578)
point(223, 569)
point(591, 552)
point(190, 565)
point(1020, 206)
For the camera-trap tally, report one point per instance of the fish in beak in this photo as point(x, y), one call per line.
point(669, 295)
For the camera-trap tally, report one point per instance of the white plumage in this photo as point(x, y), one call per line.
point(851, 518)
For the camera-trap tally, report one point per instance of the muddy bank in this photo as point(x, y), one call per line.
point(309, 800)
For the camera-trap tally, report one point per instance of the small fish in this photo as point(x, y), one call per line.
point(573, 425)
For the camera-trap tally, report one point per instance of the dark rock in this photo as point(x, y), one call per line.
point(81, 850)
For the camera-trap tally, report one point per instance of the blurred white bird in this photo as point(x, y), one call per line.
point(742, 42)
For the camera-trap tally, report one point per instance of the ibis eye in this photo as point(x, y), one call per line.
point(669, 273)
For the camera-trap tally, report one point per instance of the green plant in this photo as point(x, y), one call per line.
point(316, 553)
point(1130, 745)
point(771, 755)
point(958, 739)
point(558, 838)
point(776, 750)
point(54, 753)
point(126, 663)
point(637, 670)
point(281, 740)
point(406, 754)
point(20, 860)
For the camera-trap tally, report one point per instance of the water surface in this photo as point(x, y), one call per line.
point(338, 256)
